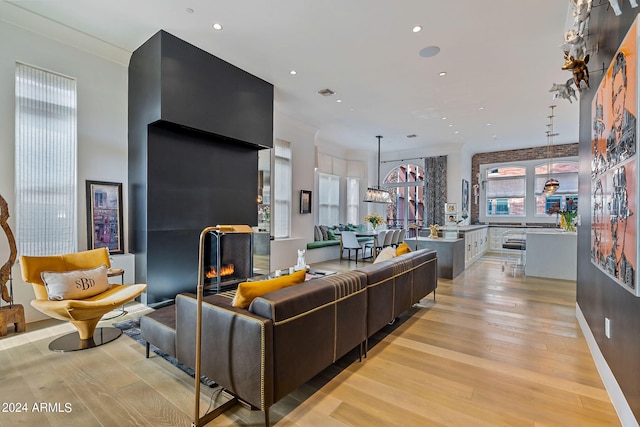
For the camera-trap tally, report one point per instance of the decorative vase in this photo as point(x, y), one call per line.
point(567, 223)
point(374, 226)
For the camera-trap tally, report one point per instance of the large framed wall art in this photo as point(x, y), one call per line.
point(614, 166)
point(104, 216)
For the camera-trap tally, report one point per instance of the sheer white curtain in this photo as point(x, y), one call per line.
point(45, 162)
point(353, 200)
point(282, 189)
point(328, 199)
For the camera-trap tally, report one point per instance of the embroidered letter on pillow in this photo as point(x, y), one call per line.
point(75, 284)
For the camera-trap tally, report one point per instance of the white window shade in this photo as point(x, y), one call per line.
point(568, 183)
point(45, 162)
point(328, 199)
point(353, 200)
point(506, 187)
point(282, 189)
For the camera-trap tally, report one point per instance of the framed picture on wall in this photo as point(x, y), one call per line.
point(305, 201)
point(614, 167)
point(465, 196)
point(104, 216)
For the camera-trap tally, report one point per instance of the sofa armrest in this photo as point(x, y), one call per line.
point(236, 346)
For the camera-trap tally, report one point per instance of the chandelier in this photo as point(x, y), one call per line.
point(376, 194)
point(551, 185)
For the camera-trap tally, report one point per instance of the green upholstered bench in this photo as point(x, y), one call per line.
point(324, 243)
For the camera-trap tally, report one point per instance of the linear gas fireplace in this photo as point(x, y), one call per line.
point(226, 257)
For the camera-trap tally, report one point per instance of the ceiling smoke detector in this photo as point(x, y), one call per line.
point(326, 92)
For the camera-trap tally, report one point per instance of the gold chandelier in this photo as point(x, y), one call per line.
point(551, 185)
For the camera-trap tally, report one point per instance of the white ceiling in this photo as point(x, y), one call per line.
point(502, 55)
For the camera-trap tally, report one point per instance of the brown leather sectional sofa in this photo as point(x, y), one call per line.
point(286, 337)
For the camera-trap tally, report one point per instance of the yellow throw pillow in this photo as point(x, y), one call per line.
point(248, 291)
point(403, 248)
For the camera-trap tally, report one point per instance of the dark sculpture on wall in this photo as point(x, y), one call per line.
point(5, 270)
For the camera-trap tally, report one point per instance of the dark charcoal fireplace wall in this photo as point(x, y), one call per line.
point(196, 124)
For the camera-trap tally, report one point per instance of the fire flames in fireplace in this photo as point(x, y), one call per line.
point(225, 270)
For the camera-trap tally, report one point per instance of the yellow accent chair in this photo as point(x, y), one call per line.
point(84, 313)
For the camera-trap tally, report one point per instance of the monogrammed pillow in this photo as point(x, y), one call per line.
point(75, 284)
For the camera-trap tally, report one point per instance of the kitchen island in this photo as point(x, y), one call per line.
point(551, 253)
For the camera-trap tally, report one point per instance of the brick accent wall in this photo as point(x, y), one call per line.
point(533, 153)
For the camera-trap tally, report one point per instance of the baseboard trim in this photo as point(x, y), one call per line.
point(610, 383)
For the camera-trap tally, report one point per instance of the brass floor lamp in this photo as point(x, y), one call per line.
point(201, 421)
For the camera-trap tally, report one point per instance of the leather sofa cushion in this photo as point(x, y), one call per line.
point(159, 328)
point(293, 301)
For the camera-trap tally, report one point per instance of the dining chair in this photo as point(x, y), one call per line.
point(350, 242)
point(387, 238)
point(403, 235)
point(378, 242)
point(395, 237)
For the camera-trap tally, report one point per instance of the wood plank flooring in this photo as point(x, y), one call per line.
point(493, 350)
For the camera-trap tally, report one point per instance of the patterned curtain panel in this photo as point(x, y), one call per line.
point(435, 190)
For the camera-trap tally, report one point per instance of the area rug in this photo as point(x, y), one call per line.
point(131, 328)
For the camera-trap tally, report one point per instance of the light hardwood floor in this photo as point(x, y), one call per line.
point(493, 350)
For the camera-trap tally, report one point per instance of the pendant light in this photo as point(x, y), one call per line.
point(551, 185)
point(376, 194)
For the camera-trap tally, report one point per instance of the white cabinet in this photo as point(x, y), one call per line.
point(476, 241)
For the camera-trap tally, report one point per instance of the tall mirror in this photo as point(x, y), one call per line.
point(262, 235)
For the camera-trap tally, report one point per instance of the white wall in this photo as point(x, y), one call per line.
point(284, 252)
point(102, 125)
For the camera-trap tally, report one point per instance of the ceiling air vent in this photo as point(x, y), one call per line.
point(413, 135)
point(326, 92)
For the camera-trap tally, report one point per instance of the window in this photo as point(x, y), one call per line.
point(566, 197)
point(406, 185)
point(328, 199)
point(282, 189)
point(353, 200)
point(45, 162)
point(506, 191)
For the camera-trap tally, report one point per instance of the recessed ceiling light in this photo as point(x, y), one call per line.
point(217, 26)
point(488, 124)
point(450, 125)
point(417, 29)
point(442, 73)
point(444, 118)
point(480, 108)
point(429, 51)
point(456, 132)
point(351, 109)
point(338, 100)
point(293, 72)
point(189, 10)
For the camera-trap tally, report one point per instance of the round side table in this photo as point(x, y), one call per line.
point(115, 272)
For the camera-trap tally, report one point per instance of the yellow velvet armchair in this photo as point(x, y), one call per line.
point(85, 313)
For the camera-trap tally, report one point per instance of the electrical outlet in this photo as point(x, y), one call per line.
point(607, 327)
